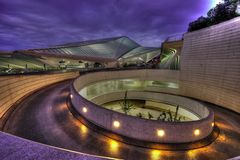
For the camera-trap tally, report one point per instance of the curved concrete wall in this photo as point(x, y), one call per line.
point(15, 87)
point(175, 132)
point(142, 129)
point(146, 74)
point(210, 65)
point(191, 105)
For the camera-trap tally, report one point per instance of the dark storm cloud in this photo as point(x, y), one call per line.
point(40, 23)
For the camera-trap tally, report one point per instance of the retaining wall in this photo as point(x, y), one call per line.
point(15, 87)
point(210, 65)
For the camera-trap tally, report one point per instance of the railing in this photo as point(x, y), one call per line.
point(34, 72)
point(176, 37)
point(81, 70)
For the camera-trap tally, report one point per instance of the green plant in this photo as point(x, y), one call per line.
point(126, 105)
point(162, 116)
point(150, 116)
point(179, 119)
point(176, 113)
point(171, 118)
point(139, 115)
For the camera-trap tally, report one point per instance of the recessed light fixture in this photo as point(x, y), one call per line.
point(160, 132)
point(84, 109)
point(116, 124)
point(196, 132)
point(212, 124)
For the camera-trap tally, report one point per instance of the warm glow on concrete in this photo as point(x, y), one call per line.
point(155, 154)
point(84, 109)
point(113, 146)
point(191, 154)
point(116, 124)
point(84, 130)
point(196, 132)
point(160, 133)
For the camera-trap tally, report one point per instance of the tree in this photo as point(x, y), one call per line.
point(222, 12)
point(200, 23)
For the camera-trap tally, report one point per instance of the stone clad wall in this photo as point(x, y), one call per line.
point(210, 65)
point(16, 86)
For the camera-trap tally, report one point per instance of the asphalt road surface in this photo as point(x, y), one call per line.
point(44, 117)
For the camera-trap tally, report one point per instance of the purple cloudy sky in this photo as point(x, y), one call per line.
point(41, 23)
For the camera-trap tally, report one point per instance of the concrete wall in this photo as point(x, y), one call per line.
point(141, 129)
point(185, 103)
point(152, 74)
point(210, 65)
point(173, 44)
point(13, 88)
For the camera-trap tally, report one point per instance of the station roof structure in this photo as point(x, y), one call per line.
point(144, 53)
point(101, 50)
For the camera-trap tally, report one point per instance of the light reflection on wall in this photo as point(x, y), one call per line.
point(195, 153)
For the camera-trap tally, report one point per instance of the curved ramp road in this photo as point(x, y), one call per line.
point(44, 117)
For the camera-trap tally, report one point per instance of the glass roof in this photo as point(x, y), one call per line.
point(107, 48)
point(140, 50)
point(143, 54)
